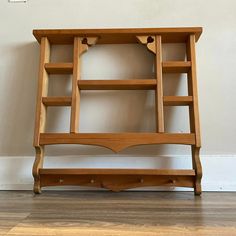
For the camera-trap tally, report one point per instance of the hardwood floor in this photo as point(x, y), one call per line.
point(125, 213)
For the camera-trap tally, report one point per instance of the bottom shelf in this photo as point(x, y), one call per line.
point(117, 179)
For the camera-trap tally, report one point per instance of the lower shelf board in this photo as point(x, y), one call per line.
point(117, 179)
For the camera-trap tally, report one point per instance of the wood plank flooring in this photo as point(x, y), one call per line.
point(125, 213)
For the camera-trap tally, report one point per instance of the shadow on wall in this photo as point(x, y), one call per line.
point(101, 111)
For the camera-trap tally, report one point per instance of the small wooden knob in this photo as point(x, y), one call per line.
point(61, 181)
point(92, 181)
point(141, 180)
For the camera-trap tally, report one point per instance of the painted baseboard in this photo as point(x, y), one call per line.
point(218, 170)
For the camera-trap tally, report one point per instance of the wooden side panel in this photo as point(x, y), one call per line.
point(192, 90)
point(159, 89)
point(40, 117)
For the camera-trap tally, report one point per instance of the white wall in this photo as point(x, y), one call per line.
point(118, 111)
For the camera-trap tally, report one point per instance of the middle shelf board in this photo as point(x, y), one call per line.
point(167, 67)
point(167, 100)
point(129, 84)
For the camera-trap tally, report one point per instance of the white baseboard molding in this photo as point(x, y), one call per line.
point(218, 170)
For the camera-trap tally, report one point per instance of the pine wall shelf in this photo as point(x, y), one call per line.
point(117, 179)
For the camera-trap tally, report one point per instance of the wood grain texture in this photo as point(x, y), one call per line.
point(117, 179)
point(117, 141)
point(72, 213)
point(129, 84)
point(153, 40)
point(176, 66)
point(40, 116)
point(177, 100)
point(59, 68)
point(192, 90)
point(116, 36)
point(38, 163)
point(159, 87)
point(56, 101)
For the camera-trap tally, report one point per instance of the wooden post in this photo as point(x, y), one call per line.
point(159, 89)
point(194, 113)
point(40, 118)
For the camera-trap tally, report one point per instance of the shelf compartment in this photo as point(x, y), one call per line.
point(132, 84)
point(59, 68)
point(176, 66)
point(56, 101)
point(117, 179)
point(117, 141)
point(178, 100)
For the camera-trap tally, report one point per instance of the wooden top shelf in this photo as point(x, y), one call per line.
point(117, 36)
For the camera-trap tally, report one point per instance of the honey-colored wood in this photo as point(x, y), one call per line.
point(117, 179)
point(192, 90)
point(117, 36)
point(177, 100)
point(59, 68)
point(149, 42)
point(173, 172)
point(56, 101)
point(38, 163)
point(129, 84)
point(117, 141)
point(198, 169)
point(80, 46)
point(74, 117)
point(176, 66)
point(40, 117)
point(194, 113)
point(159, 89)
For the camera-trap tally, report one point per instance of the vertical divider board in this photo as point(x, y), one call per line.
point(118, 179)
point(75, 100)
point(159, 90)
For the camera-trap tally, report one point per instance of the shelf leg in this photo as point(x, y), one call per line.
point(38, 163)
point(198, 169)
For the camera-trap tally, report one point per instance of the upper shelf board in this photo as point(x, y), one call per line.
point(117, 36)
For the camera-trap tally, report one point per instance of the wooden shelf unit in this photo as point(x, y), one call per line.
point(117, 179)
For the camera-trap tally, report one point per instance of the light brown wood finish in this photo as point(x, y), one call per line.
point(194, 113)
point(117, 141)
point(56, 101)
point(100, 213)
point(40, 117)
point(38, 163)
point(152, 39)
point(176, 66)
point(192, 90)
point(159, 89)
point(115, 182)
point(117, 179)
point(59, 68)
point(116, 36)
point(177, 100)
point(74, 117)
point(129, 84)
